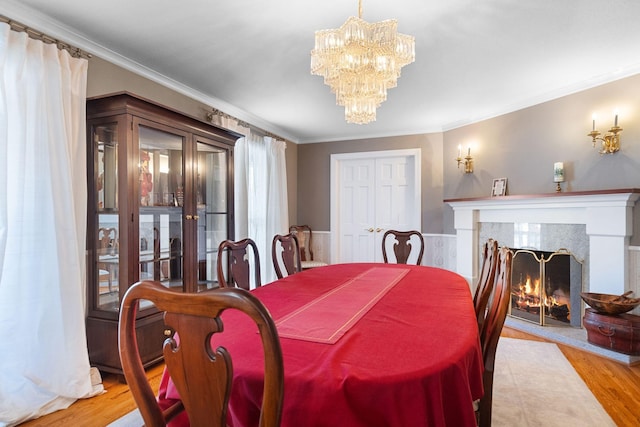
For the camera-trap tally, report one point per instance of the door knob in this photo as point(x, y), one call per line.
point(189, 216)
point(370, 230)
point(378, 230)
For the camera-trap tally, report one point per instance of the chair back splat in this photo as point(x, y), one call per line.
point(403, 246)
point(486, 280)
point(304, 235)
point(238, 264)
point(285, 253)
point(491, 329)
point(107, 245)
point(305, 241)
point(202, 375)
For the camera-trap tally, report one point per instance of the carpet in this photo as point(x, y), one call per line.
point(132, 419)
point(534, 385)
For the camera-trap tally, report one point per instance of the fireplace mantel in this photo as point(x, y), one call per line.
point(607, 215)
point(514, 197)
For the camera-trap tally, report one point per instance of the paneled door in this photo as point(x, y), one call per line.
point(371, 193)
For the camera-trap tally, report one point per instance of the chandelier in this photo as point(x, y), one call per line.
point(360, 61)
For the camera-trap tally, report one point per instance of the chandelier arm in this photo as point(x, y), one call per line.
point(360, 9)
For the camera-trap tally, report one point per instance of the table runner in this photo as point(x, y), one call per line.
point(327, 318)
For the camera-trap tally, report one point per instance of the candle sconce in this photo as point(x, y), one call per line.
point(467, 161)
point(610, 142)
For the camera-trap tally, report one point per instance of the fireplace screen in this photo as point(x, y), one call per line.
point(545, 287)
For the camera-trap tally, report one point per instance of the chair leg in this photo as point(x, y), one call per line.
point(484, 418)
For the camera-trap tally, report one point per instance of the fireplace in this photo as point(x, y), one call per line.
point(545, 287)
point(606, 218)
point(606, 215)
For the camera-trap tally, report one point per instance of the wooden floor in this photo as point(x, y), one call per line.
point(615, 385)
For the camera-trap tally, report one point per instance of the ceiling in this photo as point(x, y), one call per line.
point(475, 59)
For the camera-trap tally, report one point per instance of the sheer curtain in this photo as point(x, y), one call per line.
point(261, 201)
point(44, 365)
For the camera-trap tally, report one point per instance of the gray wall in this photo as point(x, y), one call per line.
point(105, 78)
point(314, 175)
point(523, 146)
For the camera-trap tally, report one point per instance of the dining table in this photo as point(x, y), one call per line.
point(364, 345)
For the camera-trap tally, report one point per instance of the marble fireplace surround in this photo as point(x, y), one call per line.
point(607, 216)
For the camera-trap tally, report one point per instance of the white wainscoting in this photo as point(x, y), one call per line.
point(439, 251)
point(321, 246)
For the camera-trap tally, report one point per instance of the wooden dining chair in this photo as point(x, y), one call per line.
point(496, 314)
point(305, 241)
point(285, 253)
point(238, 264)
point(486, 279)
point(201, 374)
point(403, 246)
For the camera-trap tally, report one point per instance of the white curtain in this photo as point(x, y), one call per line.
point(277, 207)
point(44, 365)
point(261, 202)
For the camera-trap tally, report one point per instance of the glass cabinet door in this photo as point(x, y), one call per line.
point(212, 206)
point(178, 188)
point(161, 198)
point(105, 140)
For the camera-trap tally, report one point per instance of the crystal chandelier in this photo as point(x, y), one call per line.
point(360, 61)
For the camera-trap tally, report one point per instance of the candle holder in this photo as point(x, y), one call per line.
point(467, 161)
point(558, 175)
point(610, 142)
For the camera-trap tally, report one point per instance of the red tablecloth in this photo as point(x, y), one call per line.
point(413, 359)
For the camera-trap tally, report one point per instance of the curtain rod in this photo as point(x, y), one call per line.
point(216, 112)
point(37, 35)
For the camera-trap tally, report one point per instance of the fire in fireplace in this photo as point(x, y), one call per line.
point(545, 286)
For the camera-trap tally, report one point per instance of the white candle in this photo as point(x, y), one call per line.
point(558, 172)
point(460, 151)
point(468, 151)
point(615, 123)
point(593, 117)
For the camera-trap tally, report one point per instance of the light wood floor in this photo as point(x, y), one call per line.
point(615, 385)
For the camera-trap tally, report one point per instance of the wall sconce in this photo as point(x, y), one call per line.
point(611, 141)
point(467, 161)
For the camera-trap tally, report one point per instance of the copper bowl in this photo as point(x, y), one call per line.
point(610, 304)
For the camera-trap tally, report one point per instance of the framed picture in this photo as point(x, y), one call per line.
point(499, 187)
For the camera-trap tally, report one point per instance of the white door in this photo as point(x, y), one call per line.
point(371, 193)
point(357, 210)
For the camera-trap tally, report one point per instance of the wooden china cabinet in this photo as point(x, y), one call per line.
point(160, 202)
